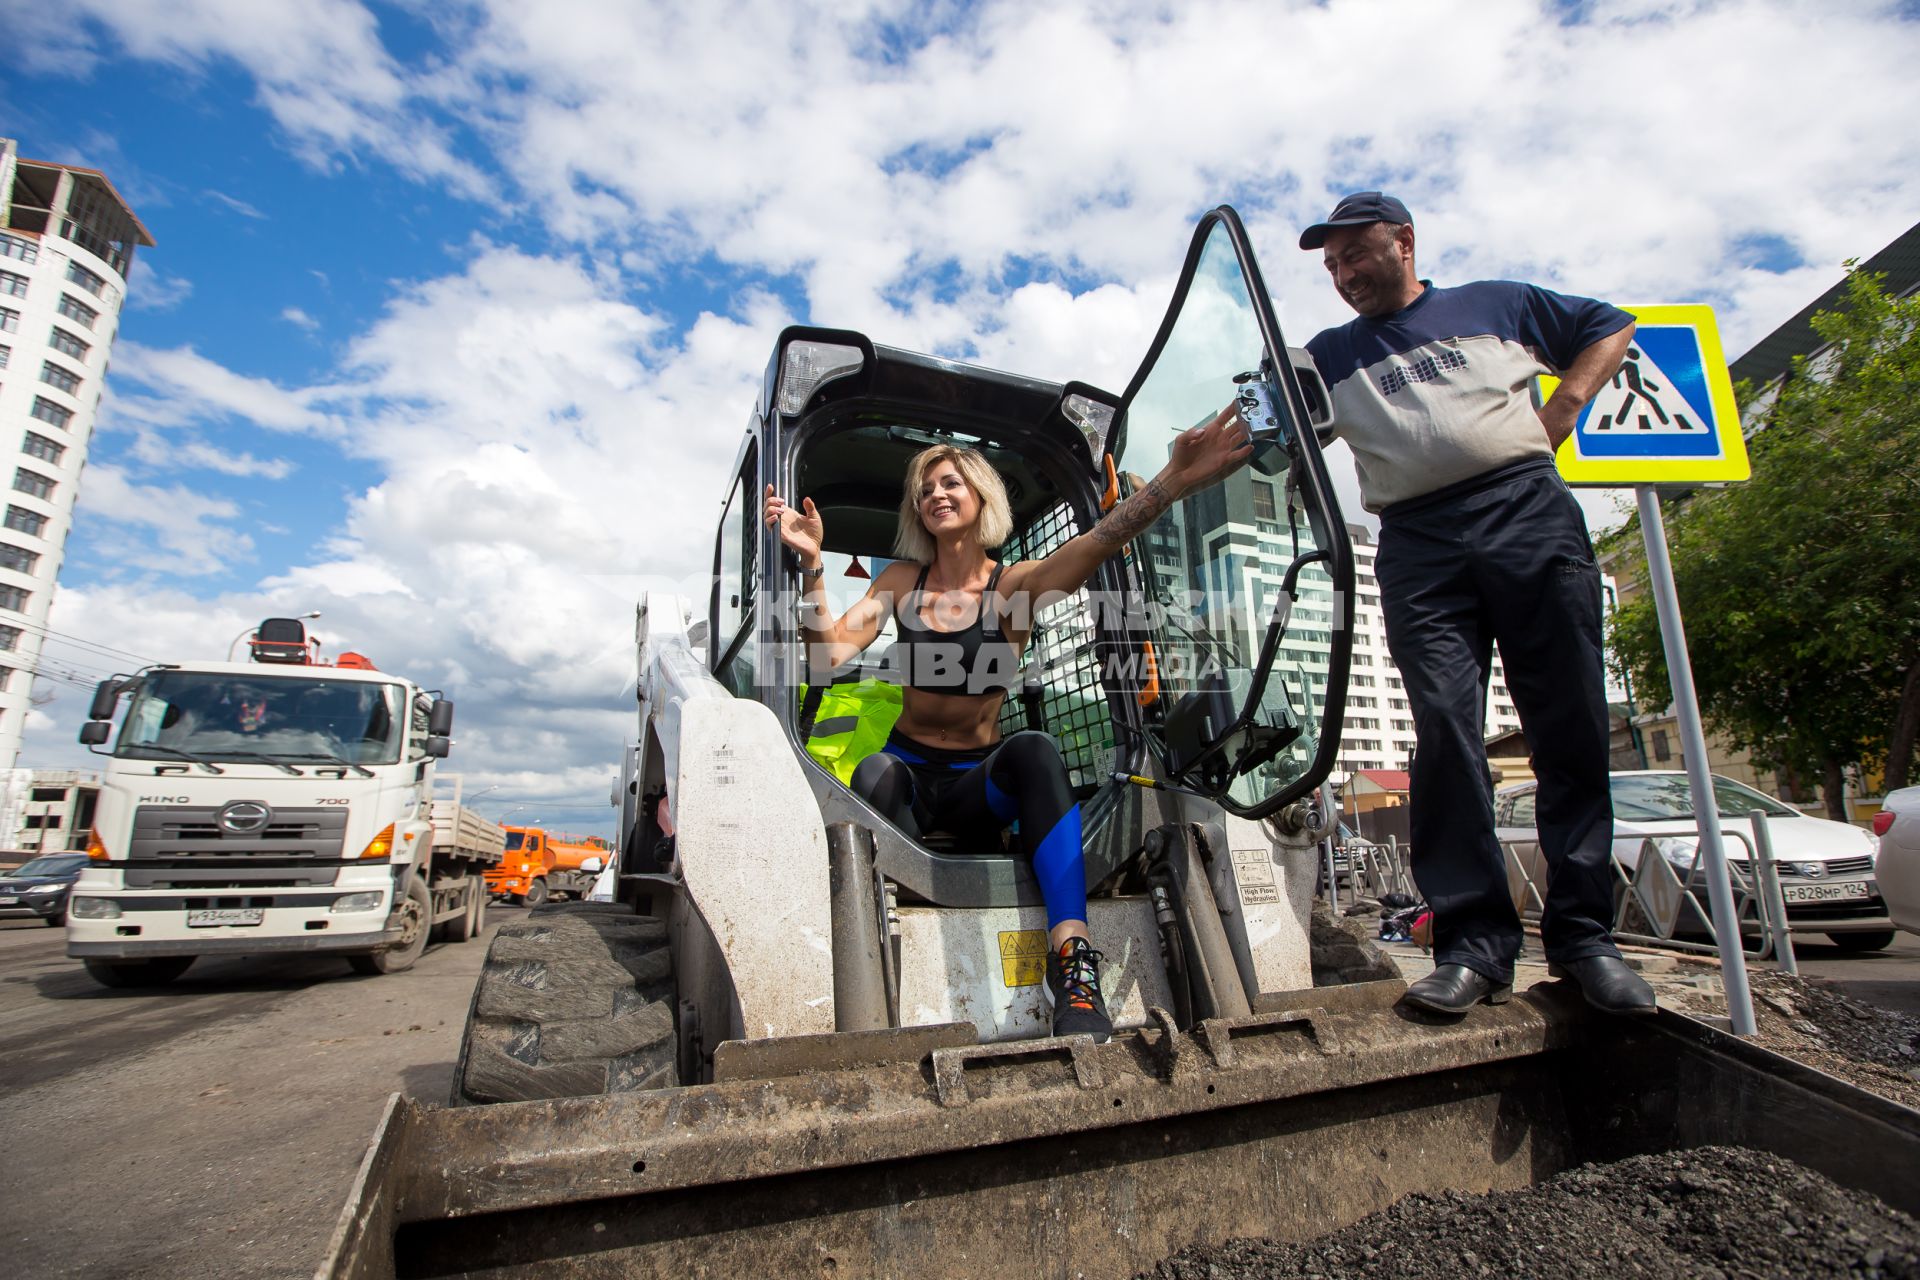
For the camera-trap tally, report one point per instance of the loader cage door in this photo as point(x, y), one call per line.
point(1249, 582)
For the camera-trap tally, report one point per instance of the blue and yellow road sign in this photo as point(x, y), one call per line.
point(1668, 416)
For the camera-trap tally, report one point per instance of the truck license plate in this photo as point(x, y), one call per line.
point(224, 916)
point(1845, 891)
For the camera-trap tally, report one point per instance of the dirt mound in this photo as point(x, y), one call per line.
point(1815, 1022)
point(1715, 1212)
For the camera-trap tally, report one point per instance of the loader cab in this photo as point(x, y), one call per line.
point(1211, 655)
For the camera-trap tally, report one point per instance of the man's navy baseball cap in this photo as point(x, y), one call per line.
point(1356, 210)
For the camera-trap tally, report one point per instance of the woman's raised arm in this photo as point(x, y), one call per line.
point(1202, 457)
point(836, 640)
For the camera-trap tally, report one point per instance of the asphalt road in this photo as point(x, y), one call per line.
point(1888, 979)
point(211, 1127)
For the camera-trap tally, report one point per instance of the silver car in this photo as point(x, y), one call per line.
point(1898, 826)
point(1826, 868)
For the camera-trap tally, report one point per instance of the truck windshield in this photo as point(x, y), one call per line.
point(515, 839)
point(221, 716)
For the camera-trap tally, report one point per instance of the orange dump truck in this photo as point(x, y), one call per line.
point(538, 865)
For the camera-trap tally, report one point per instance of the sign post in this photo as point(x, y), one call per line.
point(1668, 417)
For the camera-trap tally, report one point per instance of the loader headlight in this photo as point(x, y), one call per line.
point(357, 902)
point(93, 909)
point(807, 366)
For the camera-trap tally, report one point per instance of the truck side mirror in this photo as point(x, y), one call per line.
point(440, 718)
point(592, 864)
point(438, 746)
point(95, 732)
point(105, 695)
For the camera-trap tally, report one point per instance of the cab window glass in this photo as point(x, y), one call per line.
point(734, 572)
point(417, 728)
point(1214, 563)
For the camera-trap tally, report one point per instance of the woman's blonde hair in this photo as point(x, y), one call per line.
point(912, 541)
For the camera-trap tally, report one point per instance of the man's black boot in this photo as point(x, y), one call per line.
point(1608, 984)
point(1454, 988)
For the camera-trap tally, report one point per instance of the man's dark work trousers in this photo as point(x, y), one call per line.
point(1504, 559)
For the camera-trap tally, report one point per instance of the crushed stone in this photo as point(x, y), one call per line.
point(1717, 1213)
point(1815, 1022)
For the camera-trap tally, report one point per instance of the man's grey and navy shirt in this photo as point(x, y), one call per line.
point(1441, 391)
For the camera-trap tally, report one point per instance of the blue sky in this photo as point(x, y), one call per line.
point(457, 309)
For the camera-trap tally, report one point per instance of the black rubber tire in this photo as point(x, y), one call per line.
point(535, 895)
point(55, 922)
point(1879, 940)
point(400, 958)
point(461, 928)
point(480, 900)
point(574, 1002)
point(157, 972)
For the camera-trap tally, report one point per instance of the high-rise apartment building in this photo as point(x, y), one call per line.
point(66, 249)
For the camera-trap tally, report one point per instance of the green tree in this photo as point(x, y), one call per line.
point(1798, 587)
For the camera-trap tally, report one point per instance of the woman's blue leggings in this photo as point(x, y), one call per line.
point(978, 792)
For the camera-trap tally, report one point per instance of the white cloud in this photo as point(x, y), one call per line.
point(162, 528)
point(153, 290)
point(299, 319)
point(163, 452)
point(234, 204)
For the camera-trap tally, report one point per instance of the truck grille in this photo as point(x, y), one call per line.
point(183, 831)
point(184, 847)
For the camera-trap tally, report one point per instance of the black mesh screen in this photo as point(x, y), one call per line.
point(1064, 642)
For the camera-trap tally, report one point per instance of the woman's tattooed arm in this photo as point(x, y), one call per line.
point(1131, 517)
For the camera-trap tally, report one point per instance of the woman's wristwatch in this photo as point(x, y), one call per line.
point(814, 574)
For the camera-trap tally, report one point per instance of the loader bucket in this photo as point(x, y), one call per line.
point(916, 1152)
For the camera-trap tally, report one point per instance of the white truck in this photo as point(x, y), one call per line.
point(280, 805)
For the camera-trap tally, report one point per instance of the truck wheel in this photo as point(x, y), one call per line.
point(459, 930)
point(535, 895)
point(480, 900)
point(414, 914)
point(55, 922)
point(1879, 940)
point(571, 1004)
point(157, 972)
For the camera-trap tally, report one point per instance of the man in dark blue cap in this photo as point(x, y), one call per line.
point(1481, 543)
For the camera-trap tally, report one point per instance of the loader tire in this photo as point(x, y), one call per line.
point(575, 1001)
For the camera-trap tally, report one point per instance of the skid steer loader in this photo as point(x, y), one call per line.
point(805, 1042)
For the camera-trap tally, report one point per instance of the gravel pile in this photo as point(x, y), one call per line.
point(1716, 1213)
point(1817, 1023)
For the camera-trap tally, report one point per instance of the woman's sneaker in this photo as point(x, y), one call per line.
point(1073, 989)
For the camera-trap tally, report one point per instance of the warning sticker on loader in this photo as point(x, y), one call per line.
point(1253, 871)
point(1023, 957)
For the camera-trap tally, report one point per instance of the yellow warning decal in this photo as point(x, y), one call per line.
point(1023, 957)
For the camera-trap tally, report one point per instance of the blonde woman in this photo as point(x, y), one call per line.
point(963, 619)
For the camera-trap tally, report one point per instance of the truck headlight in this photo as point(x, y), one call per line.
point(93, 908)
point(46, 888)
point(357, 902)
point(1680, 853)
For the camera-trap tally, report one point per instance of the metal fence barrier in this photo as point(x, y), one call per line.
point(1655, 906)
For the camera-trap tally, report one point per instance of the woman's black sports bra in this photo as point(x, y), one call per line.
point(976, 661)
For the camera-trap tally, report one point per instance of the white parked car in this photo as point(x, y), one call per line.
point(1826, 868)
point(1898, 826)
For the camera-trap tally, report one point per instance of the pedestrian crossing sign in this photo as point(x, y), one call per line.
point(1668, 415)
